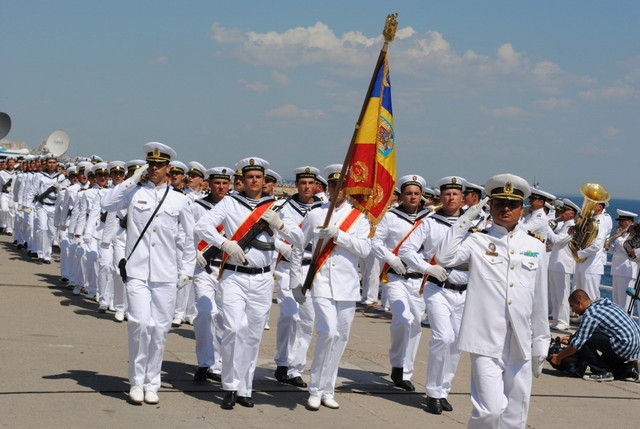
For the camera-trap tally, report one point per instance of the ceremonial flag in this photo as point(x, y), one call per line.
point(371, 174)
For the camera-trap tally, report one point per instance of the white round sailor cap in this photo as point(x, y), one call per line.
point(306, 172)
point(507, 186)
point(178, 167)
point(196, 168)
point(332, 172)
point(252, 164)
point(272, 176)
point(225, 173)
point(625, 215)
point(451, 182)
point(158, 152)
point(412, 179)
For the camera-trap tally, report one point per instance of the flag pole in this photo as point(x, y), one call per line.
point(389, 33)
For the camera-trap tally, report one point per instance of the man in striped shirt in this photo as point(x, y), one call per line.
point(608, 340)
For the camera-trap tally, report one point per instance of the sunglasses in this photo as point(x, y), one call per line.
point(502, 203)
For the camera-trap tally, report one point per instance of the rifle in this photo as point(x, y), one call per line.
point(5, 187)
point(245, 242)
point(40, 198)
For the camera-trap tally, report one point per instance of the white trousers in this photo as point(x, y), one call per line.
point(500, 389)
point(246, 300)
point(150, 311)
point(44, 230)
point(294, 326)
point(119, 296)
point(333, 325)
point(7, 212)
point(370, 269)
point(445, 308)
point(559, 289)
point(590, 283)
point(207, 326)
point(106, 274)
point(65, 262)
point(185, 303)
point(619, 287)
point(407, 307)
point(91, 264)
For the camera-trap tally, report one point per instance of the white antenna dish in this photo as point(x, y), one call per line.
point(5, 124)
point(57, 143)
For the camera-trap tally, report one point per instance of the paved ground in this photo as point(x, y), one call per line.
point(65, 365)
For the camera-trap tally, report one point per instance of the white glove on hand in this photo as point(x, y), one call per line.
point(298, 295)
point(437, 271)
point(19, 207)
point(200, 260)
point(137, 175)
point(285, 251)
point(86, 239)
point(397, 266)
point(183, 280)
point(26, 209)
point(56, 185)
point(234, 251)
point(328, 232)
point(473, 212)
point(272, 218)
point(537, 362)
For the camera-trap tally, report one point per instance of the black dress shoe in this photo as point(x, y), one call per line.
point(44, 261)
point(396, 376)
point(446, 406)
point(201, 374)
point(245, 401)
point(434, 406)
point(213, 376)
point(406, 385)
point(229, 400)
point(281, 373)
point(296, 381)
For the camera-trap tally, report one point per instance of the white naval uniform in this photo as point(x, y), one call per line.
point(561, 267)
point(624, 272)
point(505, 318)
point(87, 228)
point(152, 271)
point(588, 273)
point(403, 292)
point(7, 204)
point(295, 321)
point(246, 298)
point(103, 253)
point(444, 306)
point(207, 325)
point(76, 251)
point(335, 291)
point(44, 229)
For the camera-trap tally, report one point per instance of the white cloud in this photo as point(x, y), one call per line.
point(293, 111)
point(254, 86)
point(280, 78)
point(617, 92)
point(508, 60)
point(503, 112)
point(553, 103)
point(610, 132)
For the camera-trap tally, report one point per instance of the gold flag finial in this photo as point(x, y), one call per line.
point(390, 27)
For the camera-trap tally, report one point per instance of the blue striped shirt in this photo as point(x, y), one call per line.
point(605, 317)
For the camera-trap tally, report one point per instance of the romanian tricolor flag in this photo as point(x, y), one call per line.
point(371, 174)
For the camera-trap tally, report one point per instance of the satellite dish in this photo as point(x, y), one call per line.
point(57, 143)
point(5, 124)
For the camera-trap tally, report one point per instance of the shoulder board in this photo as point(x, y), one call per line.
point(179, 190)
point(536, 235)
point(476, 229)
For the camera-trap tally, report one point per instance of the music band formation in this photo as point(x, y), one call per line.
point(160, 243)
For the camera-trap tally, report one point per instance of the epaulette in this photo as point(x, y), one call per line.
point(536, 235)
point(476, 229)
point(179, 190)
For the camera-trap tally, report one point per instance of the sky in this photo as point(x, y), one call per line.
point(548, 90)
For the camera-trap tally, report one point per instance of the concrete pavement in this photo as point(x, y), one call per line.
point(65, 365)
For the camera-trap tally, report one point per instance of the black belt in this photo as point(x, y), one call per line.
point(305, 261)
point(247, 270)
point(407, 275)
point(448, 285)
point(215, 263)
point(49, 204)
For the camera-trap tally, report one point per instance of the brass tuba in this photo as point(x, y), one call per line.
point(586, 228)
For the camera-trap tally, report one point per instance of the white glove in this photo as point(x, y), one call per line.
point(137, 175)
point(86, 239)
point(397, 266)
point(62, 227)
point(56, 185)
point(537, 362)
point(437, 271)
point(328, 232)
point(272, 218)
point(183, 280)
point(19, 207)
point(473, 212)
point(105, 245)
point(234, 251)
point(285, 251)
point(26, 209)
point(200, 260)
point(298, 295)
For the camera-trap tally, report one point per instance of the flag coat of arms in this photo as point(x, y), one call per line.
point(371, 176)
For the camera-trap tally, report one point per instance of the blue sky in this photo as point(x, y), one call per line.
point(549, 90)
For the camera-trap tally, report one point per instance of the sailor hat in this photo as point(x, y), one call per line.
point(134, 164)
point(451, 182)
point(116, 166)
point(178, 167)
point(196, 168)
point(252, 164)
point(83, 165)
point(272, 177)
point(95, 159)
point(158, 152)
point(48, 156)
point(100, 168)
point(72, 171)
point(568, 204)
point(625, 215)
point(322, 180)
point(472, 187)
point(428, 193)
point(412, 179)
point(508, 186)
point(332, 172)
point(220, 173)
point(306, 172)
point(539, 193)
